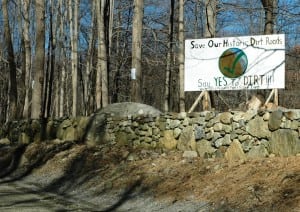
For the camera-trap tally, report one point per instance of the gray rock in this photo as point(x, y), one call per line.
point(168, 141)
point(275, 120)
point(204, 147)
point(198, 120)
point(226, 118)
point(218, 127)
point(190, 154)
point(126, 109)
point(247, 145)
point(216, 136)
point(257, 127)
point(66, 131)
point(66, 123)
point(235, 152)
point(182, 115)
point(209, 135)
point(233, 135)
point(174, 123)
point(243, 138)
point(187, 139)
point(4, 141)
point(24, 138)
point(132, 157)
point(224, 141)
point(292, 114)
point(199, 132)
point(209, 115)
point(123, 138)
point(289, 124)
point(258, 152)
point(285, 142)
point(177, 132)
point(266, 116)
point(185, 122)
point(227, 128)
point(95, 132)
point(220, 152)
point(70, 134)
point(238, 115)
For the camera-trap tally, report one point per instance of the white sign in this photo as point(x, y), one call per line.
point(235, 63)
point(133, 74)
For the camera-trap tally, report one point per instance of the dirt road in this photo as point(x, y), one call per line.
point(60, 177)
point(21, 197)
point(18, 196)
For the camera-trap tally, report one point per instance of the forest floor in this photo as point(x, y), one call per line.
point(122, 179)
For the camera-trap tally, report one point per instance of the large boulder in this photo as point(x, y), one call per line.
point(125, 109)
point(275, 120)
point(72, 129)
point(258, 152)
point(235, 152)
point(204, 147)
point(95, 131)
point(285, 142)
point(168, 141)
point(257, 127)
point(187, 139)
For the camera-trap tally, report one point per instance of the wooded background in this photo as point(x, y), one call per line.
point(72, 57)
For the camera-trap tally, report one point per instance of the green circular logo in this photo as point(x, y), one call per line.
point(233, 63)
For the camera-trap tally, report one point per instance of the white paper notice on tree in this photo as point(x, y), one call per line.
point(235, 63)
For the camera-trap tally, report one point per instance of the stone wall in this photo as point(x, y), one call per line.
point(212, 134)
point(234, 135)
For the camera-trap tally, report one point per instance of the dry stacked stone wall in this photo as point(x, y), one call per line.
point(234, 134)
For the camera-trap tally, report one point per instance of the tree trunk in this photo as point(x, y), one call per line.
point(61, 88)
point(169, 56)
point(98, 72)
point(137, 29)
point(110, 25)
point(102, 38)
point(51, 67)
point(270, 7)
point(73, 21)
point(101, 76)
point(181, 56)
point(209, 32)
point(39, 60)
point(38, 63)
point(13, 92)
point(89, 60)
point(27, 58)
point(210, 26)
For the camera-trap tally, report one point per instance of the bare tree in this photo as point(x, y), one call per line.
point(102, 76)
point(13, 92)
point(27, 58)
point(49, 75)
point(61, 34)
point(137, 28)
point(169, 55)
point(210, 12)
point(89, 59)
point(209, 32)
point(39, 60)
point(270, 7)
point(73, 21)
point(181, 56)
